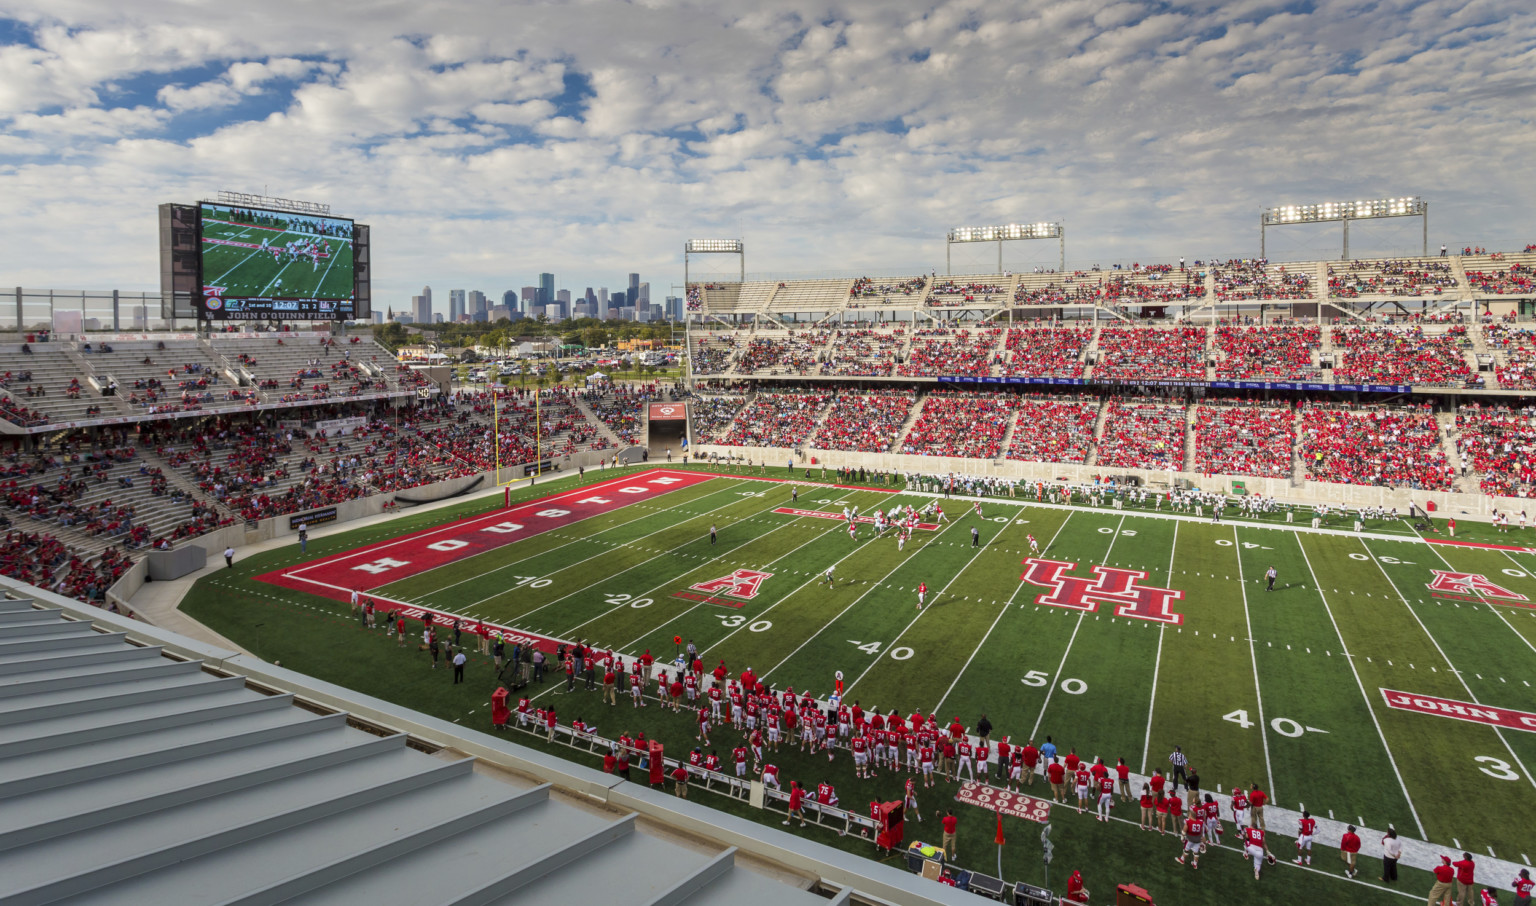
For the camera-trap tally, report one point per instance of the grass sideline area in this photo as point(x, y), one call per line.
point(1241, 683)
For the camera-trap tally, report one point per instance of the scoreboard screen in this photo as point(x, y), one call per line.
point(258, 264)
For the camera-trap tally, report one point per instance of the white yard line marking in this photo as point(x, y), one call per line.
point(1157, 663)
point(1269, 770)
point(1436, 642)
point(1369, 703)
point(1056, 678)
point(1007, 606)
point(926, 609)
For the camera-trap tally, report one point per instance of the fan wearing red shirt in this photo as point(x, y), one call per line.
point(1147, 804)
point(1161, 804)
point(950, 823)
point(1057, 775)
point(1175, 810)
point(796, 803)
point(1256, 800)
point(1349, 850)
point(1306, 827)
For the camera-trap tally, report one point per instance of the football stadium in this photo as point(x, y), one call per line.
point(1174, 581)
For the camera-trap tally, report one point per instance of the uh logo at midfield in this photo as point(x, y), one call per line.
point(1108, 586)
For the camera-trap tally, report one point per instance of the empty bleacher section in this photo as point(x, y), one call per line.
point(1244, 439)
point(970, 425)
point(865, 422)
point(1257, 280)
point(1148, 353)
point(784, 419)
point(1142, 435)
point(298, 368)
point(796, 353)
point(1055, 352)
point(1054, 430)
point(865, 352)
point(1402, 355)
point(948, 351)
point(1497, 444)
point(1392, 278)
point(38, 385)
point(1374, 445)
point(812, 296)
point(1281, 353)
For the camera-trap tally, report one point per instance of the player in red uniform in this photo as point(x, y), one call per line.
point(1306, 827)
point(1194, 839)
point(739, 756)
point(922, 592)
point(1254, 848)
point(860, 747)
point(909, 799)
point(1106, 797)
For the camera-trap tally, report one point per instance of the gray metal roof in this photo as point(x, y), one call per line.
point(127, 776)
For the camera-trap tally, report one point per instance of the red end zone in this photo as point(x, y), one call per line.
point(400, 558)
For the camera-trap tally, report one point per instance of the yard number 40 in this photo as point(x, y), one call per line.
point(1282, 725)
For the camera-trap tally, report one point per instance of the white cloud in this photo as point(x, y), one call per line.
point(837, 138)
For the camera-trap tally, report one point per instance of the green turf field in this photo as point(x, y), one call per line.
point(244, 269)
point(1280, 688)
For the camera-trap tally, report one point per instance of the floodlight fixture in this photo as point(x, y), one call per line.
point(707, 246)
point(1006, 233)
point(1344, 212)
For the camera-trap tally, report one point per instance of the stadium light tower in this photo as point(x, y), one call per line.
point(1345, 211)
point(713, 247)
point(1006, 233)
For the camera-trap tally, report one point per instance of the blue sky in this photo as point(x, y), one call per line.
point(487, 142)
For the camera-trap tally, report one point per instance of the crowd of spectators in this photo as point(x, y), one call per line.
point(619, 407)
point(39, 558)
point(1498, 444)
point(1142, 435)
point(943, 350)
point(793, 354)
point(865, 422)
point(1067, 292)
point(712, 355)
point(782, 419)
point(1266, 353)
point(1046, 352)
point(1155, 289)
point(1151, 353)
point(1408, 278)
point(1401, 355)
point(1380, 446)
point(711, 416)
point(17, 414)
point(1514, 355)
point(969, 425)
point(866, 287)
point(1515, 280)
point(1244, 439)
point(865, 352)
point(1054, 429)
point(950, 293)
point(1253, 279)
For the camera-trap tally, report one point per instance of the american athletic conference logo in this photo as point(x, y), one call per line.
point(1470, 587)
point(743, 584)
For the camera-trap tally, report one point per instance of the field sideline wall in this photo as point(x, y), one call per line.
point(1475, 506)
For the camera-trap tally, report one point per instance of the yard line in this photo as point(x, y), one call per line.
point(488, 572)
point(236, 267)
point(334, 254)
point(861, 597)
point(920, 613)
point(1436, 642)
point(1269, 770)
point(1062, 666)
point(275, 277)
point(799, 589)
point(1007, 605)
point(1496, 611)
point(1157, 662)
point(1369, 704)
point(524, 617)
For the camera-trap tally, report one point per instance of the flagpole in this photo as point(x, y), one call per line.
point(496, 428)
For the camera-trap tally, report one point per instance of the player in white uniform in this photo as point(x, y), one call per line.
point(1034, 546)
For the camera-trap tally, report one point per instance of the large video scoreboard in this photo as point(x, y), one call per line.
point(226, 261)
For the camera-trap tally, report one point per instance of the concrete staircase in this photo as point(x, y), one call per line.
point(1298, 466)
point(906, 426)
point(1189, 437)
point(1448, 436)
point(1099, 425)
point(602, 428)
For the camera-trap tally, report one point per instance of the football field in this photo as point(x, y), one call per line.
point(1384, 680)
point(234, 259)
